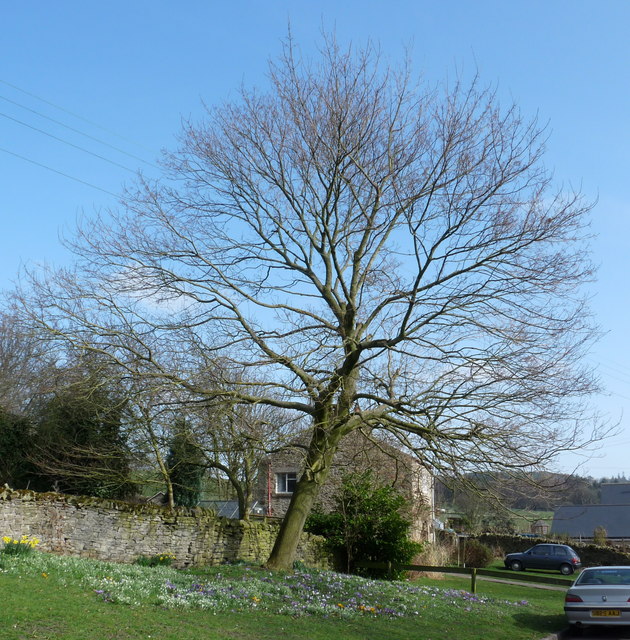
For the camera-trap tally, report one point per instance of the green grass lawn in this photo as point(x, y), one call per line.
point(45, 596)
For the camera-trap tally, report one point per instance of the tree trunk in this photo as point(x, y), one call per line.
point(319, 460)
point(286, 543)
point(243, 507)
point(170, 496)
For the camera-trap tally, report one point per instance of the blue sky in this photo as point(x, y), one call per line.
point(126, 73)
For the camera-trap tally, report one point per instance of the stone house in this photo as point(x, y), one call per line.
point(358, 451)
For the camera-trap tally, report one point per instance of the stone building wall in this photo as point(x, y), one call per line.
point(274, 502)
point(357, 452)
point(121, 532)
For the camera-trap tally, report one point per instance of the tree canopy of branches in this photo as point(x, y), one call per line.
point(235, 439)
point(371, 250)
point(25, 365)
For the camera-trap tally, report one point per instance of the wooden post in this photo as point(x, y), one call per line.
point(473, 580)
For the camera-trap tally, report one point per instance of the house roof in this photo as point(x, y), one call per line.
point(227, 508)
point(615, 493)
point(582, 520)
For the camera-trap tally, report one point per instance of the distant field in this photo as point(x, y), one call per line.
point(45, 596)
point(524, 519)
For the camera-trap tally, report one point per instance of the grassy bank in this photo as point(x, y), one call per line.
point(45, 596)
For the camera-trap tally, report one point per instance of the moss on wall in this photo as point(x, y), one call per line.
point(121, 531)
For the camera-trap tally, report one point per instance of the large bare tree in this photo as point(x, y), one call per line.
point(375, 251)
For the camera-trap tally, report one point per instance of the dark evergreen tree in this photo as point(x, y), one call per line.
point(16, 441)
point(79, 447)
point(185, 464)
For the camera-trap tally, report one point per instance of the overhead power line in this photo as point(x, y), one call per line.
point(76, 146)
point(619, 371)
point(61, 173)
point(76, 115)
point(87, 135)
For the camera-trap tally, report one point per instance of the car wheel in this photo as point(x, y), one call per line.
point(566, 569)
point(516, 565)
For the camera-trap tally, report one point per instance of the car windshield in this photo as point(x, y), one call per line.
point(604, 576)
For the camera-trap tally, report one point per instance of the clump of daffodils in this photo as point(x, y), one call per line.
point(19, 546)
point(158, 560)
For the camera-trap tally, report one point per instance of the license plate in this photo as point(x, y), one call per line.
point(606, 613)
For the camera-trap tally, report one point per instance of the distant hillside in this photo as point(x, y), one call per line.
point(533, 492)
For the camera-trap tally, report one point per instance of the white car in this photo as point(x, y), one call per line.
point(599, 596)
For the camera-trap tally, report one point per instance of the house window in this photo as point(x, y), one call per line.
point(285, 482)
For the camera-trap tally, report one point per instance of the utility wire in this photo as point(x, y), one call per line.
point(601, 371)
point(619, 395)
point(76, 146)
point(616, 370)
point(87, 135)
point(61, 173)
point(75, 115)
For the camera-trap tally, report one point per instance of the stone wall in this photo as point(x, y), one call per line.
point(120, 531)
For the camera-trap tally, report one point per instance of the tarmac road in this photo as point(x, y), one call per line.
point(597, 633)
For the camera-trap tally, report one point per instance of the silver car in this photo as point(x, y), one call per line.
point(599, 596)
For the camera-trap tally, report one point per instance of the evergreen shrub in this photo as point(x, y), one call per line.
point(367, 525)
